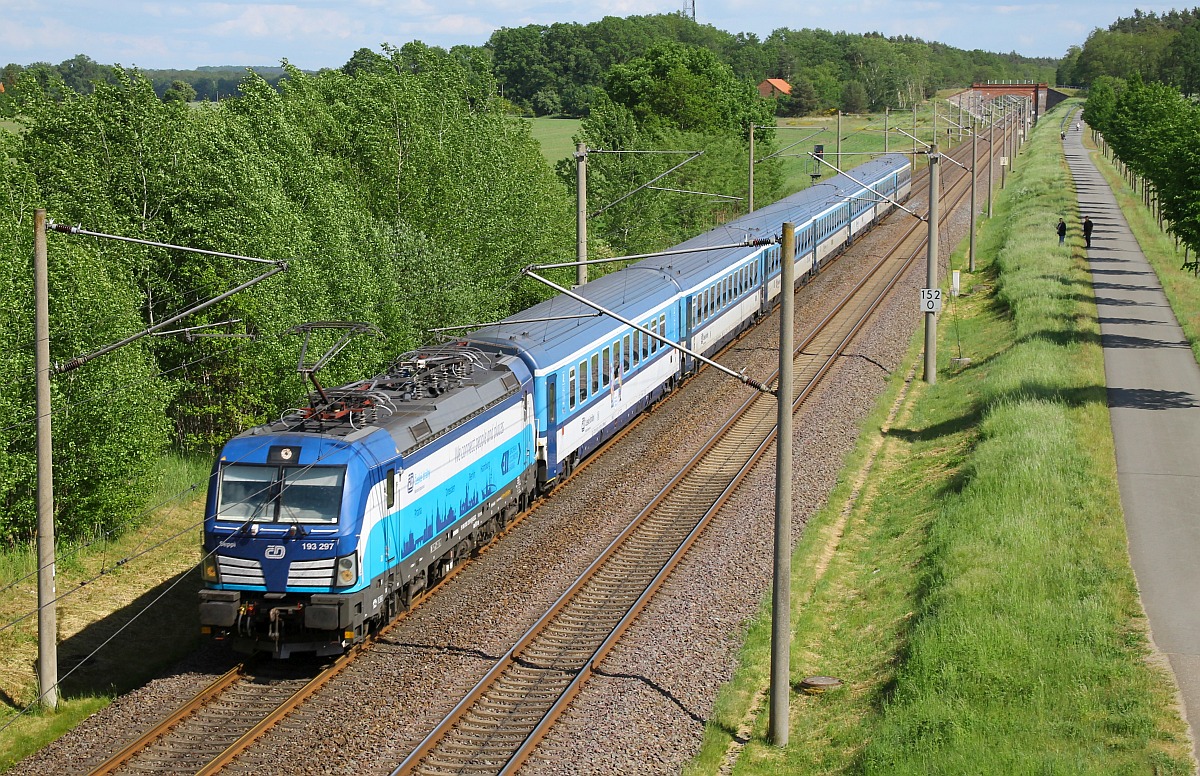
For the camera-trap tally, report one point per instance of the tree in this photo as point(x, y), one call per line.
point(73, 156)
point(802, 100)
point(363, 60)
point(1101, 103)
point(81, 72)
point(1182, 63)
point(686, 88)
point(179, 91)
point(854, 97)
point(547, 103)
point(1066, 75)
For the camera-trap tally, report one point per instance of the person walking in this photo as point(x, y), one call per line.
point(1087, 231)
point(1062, 231)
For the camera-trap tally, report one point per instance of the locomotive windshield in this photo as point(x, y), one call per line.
point(281, 494)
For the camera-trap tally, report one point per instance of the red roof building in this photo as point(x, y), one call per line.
point(774, 87)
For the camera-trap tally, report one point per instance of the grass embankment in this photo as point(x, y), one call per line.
point(103, 650)
point(976, 596)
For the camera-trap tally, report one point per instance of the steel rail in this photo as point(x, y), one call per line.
point(215, 688)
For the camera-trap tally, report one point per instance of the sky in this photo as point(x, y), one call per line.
point(315, 34)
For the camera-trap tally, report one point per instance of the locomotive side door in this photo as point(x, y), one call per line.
point(391, 518)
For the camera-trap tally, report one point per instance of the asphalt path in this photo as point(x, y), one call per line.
point(1154, 403)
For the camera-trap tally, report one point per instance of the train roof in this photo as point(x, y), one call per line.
point(557, 328)
point(422, 395)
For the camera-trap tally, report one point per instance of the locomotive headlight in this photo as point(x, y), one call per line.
point(346, 572)
point(208, 569)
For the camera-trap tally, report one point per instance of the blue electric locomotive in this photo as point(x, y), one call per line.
point(321, 526)
point(326, 523)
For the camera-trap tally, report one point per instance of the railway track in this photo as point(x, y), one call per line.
point(227, 717)
point(205, 733)
point(500, 721)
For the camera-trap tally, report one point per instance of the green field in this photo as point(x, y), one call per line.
point(555, 137)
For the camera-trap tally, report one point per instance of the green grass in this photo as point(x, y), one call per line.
point(555, 136)
point(979, 606)
point(103, 649)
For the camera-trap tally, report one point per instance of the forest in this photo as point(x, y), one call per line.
point(1157, 48)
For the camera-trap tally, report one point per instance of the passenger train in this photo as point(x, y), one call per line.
point(322, 525)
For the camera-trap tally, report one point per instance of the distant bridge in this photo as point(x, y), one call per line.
point(1041, 95)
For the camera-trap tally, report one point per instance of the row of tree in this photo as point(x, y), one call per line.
point(80, 72)
point(562, 69)
point(402, 194)
point(1155, 131)
point(1162, 48)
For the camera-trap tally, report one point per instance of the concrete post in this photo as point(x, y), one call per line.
point(581, 250)
point(781, 596)
point(47, 609)
point(931, 268)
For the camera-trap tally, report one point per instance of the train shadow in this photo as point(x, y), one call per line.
point(138, 642)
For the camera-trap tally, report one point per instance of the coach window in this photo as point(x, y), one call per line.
point(571, 400)
point(625, 354)
point(583, 383)
point(662, 326)
point(635, 351)
point(617, 365)
point(607, 371)
point(595, 373)
point(646, 342)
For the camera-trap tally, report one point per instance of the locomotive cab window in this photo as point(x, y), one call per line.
point(281, 494)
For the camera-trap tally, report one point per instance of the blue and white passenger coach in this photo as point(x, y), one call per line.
point(322, 525)
point(592, 374)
